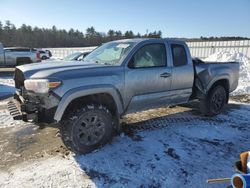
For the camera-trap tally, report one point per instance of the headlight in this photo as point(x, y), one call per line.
point(40, 85)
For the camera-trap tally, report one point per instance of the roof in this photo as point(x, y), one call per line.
point(137, 40)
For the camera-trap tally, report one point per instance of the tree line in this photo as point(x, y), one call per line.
point(35, 37)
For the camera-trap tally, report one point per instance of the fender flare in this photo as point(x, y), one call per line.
point(214, 80)
point(72, 94)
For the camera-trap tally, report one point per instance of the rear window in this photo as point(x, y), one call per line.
point(179, 55)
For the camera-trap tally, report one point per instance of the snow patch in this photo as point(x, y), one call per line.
point(53, 172)
point(244, 74)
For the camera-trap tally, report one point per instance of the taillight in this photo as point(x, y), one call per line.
point(38, 55)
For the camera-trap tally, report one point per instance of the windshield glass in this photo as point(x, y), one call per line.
point(110, 53)
point(71, 56)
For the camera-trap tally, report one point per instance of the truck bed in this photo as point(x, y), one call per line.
point(206, 71)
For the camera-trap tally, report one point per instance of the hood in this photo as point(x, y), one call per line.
point(48, 68)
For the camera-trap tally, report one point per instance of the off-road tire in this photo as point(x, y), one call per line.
point(214, 102)
point(76, 131)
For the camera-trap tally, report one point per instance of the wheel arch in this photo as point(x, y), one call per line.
point(105, 94)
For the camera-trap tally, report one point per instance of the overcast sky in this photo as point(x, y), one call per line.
point(175, 18)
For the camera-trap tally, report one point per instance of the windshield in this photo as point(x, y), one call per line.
point(110, 53)
point(71, 56)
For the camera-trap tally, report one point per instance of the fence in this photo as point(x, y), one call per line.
point(198, 49)
point(204, 49)
point(63, 52)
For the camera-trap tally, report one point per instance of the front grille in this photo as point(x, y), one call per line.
point(19, 79)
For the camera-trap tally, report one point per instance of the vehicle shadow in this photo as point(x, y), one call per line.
point(160, 152)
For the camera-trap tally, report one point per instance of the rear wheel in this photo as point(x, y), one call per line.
point(87, 129)
point(214, 102)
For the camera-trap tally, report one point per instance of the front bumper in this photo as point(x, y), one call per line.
point(30, 106)
point(21, 109)
point(30, 109)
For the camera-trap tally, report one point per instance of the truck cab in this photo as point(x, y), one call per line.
point(156, 74)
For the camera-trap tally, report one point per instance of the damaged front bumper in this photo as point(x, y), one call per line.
point(33, 107)
point(15, 110)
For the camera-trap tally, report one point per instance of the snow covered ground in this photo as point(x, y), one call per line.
point(52, 172)
point(173, 147)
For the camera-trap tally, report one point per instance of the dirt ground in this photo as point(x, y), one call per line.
point(21, 141)
point(29, 142)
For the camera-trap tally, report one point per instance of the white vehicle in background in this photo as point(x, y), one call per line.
point(44, 54)
point(77, 56)
point(11, 57)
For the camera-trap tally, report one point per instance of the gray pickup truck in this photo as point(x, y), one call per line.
point(87, 99)
point(11, 57)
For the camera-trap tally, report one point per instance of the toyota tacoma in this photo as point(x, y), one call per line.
point(88, 99)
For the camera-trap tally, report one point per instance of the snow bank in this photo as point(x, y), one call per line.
point(244, 79)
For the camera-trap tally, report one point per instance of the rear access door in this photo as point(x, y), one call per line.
point(182, 72)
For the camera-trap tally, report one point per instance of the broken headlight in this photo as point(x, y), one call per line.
point(40, 85)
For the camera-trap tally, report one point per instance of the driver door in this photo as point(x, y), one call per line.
point(148, 78)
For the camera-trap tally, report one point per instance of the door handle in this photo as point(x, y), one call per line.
point(165, 75)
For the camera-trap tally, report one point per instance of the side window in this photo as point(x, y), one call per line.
point(151, 55)
point(179, 55)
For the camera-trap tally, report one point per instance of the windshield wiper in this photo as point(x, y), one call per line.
point(105, 63)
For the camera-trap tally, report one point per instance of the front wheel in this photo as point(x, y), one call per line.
point(87, 129)
point(214, 102)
